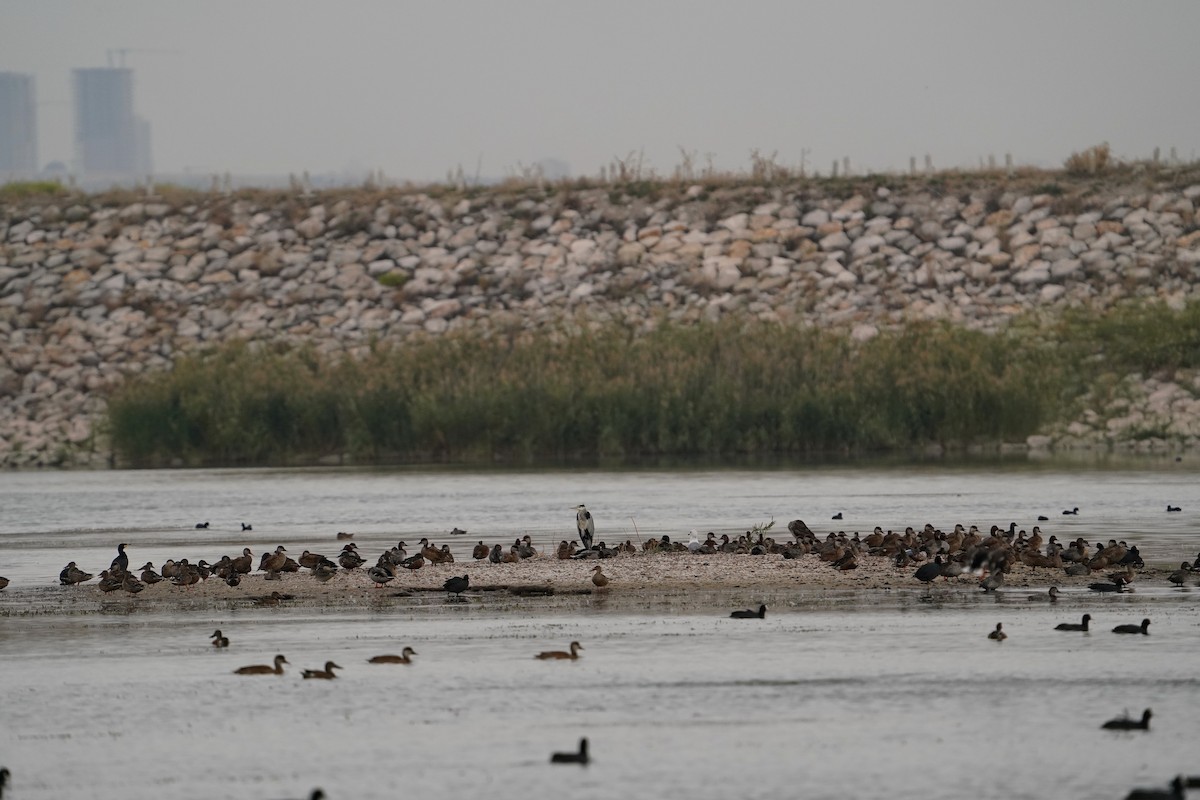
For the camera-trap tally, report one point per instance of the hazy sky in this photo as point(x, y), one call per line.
point(418, 88)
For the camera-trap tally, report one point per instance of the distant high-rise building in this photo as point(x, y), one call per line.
point(106, 131)
point(18, 126)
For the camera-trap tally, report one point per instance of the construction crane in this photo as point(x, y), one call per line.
point(121, 52)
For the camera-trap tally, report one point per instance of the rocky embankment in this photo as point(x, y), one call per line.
point(93, 288)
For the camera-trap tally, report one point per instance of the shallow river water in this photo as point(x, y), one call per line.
point(875, 694)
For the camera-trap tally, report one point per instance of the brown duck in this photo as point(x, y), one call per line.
point(405, 657)
point(561, 654)
point(324, 674)
point(263, 669)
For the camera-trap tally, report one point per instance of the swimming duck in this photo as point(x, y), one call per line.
point(323, 674)
point(1071, 626)
point(573, 758)
point(121, 561)
point(1074, 512)
point(263, 669)
point(1174, 793)
point(3, 583)
point(201, 525)
point(480, 551)
point(405, 657)
point(342, 536)
point(547, 655)
point(998, 634)
point(218, 640)
point(1126, 724)
point(748, 614)
point(1144, 628)
point(456, 586)
point(599, 579)
point(72, 575)
point(246, 527)
point(1171, 508)
point(837, 516)
point(1051, 596)
point(458, 532)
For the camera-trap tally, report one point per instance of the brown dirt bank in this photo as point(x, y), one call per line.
point(676, 582)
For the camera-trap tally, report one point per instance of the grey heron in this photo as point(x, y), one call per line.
point(586, 526)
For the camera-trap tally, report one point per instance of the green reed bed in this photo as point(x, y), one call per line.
point(728, 388)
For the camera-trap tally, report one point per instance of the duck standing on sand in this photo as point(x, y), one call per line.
point(748, 614)
point(72, 575)
point(599, 579)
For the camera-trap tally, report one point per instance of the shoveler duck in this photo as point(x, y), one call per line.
point(218, 640)
point(748, 614)
point(580, 757)
point(263, 669)
point(549, 655)
point(323, 674)
point(405, 657)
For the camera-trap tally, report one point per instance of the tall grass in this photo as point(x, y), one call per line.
point(733, 387)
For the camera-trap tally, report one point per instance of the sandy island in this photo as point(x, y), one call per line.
point(650, 580)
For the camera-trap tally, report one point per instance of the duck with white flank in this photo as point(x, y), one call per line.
point(322, 674)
